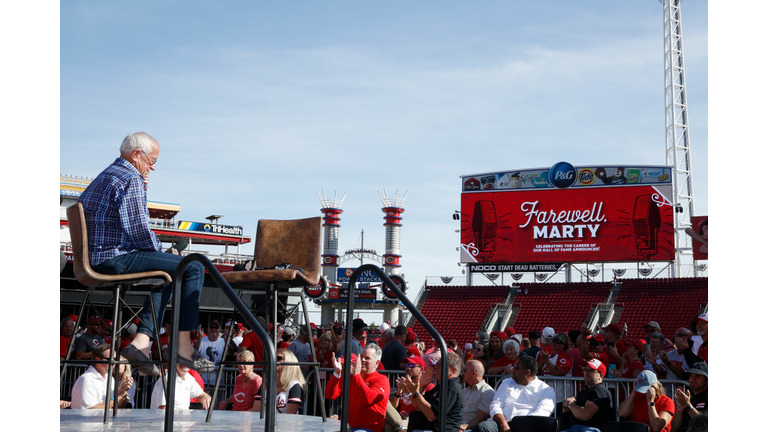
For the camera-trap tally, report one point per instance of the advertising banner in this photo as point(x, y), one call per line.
point(343, 274)
point(605, 224)
point(211, 228)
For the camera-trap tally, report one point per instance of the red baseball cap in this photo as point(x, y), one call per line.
point(597, 338)
point(500, 335)
point(510, 331)
point(614, 328)
point(594, 364)
point(354, 358)
point(411, 336)
point(415, 360)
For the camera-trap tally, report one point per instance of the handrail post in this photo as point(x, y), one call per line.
point(416, 313)
point(269, 348)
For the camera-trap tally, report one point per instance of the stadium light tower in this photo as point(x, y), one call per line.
point(678, 150)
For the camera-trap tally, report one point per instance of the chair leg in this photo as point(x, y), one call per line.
point(111, 360)
point(159, 348)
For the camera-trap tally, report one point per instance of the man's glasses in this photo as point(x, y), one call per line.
point(479, 349)
point(411, 365)
point(151, 162)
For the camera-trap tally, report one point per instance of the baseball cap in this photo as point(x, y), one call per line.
point(415, 360)
point(704, 317)
point(354, 358)
point(383, 327)
point(94, 319)
point(358, 324)
point(411, 336)
point(213, 323)
point(510, 331)
point(597, 338)
point(594, 364)
point(639, 344)
point(644, 381)
point(500, 335)
point(613, 327)
point(548, 332)
point(653, 324)
point(289, 331)
point(699, 368)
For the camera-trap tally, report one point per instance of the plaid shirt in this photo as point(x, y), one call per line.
point(116, 213)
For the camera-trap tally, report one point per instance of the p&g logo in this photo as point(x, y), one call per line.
point(562, 175)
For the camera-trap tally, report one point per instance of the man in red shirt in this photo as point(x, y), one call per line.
point(369, 390)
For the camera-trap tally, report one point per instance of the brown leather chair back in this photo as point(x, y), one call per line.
point(296, 242)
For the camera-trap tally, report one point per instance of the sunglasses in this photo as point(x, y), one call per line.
point(479, 349)
point(280, 358)
point(411, 365)
point(214, 327)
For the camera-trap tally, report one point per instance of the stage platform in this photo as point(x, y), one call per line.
point(188, 420)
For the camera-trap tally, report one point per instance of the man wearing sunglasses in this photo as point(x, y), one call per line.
point(88, 341)
point(400, 404)
point(593, 406)
point(211, 348)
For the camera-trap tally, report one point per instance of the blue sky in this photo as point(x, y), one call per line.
point(259, 105)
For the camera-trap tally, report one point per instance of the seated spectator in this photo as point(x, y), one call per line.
point(521, 395)
point(395, 352)
point(505, 365)
point(477, 394)
point(593, 406)
point(675, 359)
point(90, 389)
point(613, 334)
point(428, 406)
point(688, 407)
point(480, 353)
point(535, 340)
point(291, 385)
point(559, 362)
point(186, 389)
point(125, 375)
point(88, 341)
point(632, 366)
point(400, 405)
point(496, 346)
point(546, 339)
point(287, 338)
point(593, 346)
point(410, 344)
point(653, 327)
point(369, 390)
point(66, 330)
point(648, 404)
point(653, 360)
point(247, 385)
point(301, 349)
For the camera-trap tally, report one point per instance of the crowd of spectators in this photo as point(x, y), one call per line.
point(517, 363)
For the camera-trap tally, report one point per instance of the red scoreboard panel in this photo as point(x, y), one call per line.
point(605, 224)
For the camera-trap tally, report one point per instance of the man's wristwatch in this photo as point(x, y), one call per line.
point(415, 395)
point(688, 408)
point(651, 403)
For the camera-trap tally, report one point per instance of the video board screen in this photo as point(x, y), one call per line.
point(599, 224)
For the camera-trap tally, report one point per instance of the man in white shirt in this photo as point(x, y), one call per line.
point(90, 389)
point(186, 389)
point(522, 395)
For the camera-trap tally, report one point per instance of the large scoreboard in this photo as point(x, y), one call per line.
point(568, 214)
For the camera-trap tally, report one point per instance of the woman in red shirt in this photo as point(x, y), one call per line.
point(648, 404)
point(247, 385)
point(505, 364)
point(632, 365)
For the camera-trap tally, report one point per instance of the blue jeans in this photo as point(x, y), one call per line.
point(191, 286)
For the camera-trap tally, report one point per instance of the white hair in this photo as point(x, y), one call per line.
point(376, 350)
point(512, 342)
point(138, 141)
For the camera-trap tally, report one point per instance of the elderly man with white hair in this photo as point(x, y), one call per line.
point(121, 241)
